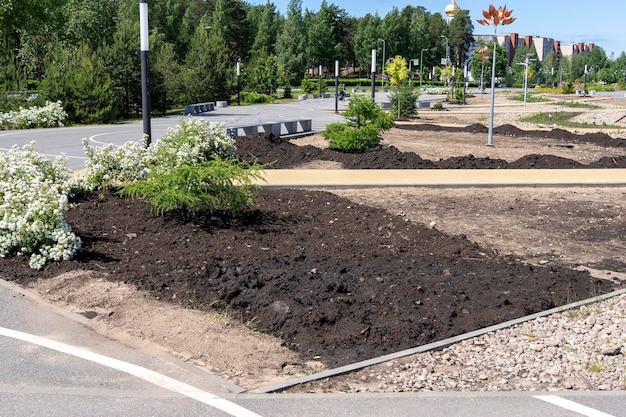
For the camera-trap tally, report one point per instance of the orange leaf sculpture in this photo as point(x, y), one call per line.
point(495, 17)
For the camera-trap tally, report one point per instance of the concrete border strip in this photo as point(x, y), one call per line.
point(363, 178)
point(430, 346)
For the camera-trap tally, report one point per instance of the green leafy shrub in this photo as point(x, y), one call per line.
point(365, 121)
point(34, 193)
point(408, 101)
point(250, 97)
point(307, 86)
point(218, 184)
point(192, 168)
point(362, 111)
point(569, 88)
point(353, 140)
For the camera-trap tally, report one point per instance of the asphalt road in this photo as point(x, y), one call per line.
point(68, 140)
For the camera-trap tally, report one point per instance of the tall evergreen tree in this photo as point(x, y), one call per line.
point(291, 43)
point(460, 34)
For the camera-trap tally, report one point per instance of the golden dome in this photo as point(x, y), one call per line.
point(452, 9)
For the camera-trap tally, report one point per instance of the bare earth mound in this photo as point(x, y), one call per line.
point(337, 280)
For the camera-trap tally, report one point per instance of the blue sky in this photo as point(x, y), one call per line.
point(602, 22)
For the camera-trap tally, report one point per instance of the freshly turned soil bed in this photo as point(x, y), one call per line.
point(335, 280)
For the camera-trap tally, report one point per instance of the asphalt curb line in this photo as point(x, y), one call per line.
point(430, 346)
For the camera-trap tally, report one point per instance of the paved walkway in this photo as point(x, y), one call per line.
point(443, 178)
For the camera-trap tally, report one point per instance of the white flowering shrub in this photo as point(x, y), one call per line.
point(34, 199)
point(51, 115)
point(191, 142)
point(110, 165)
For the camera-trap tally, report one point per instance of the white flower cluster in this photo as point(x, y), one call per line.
point(437, 91)
point(51, 115)
point(34, 192)
point(191, 142)
point(109, 164)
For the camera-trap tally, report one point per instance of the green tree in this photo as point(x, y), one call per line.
point(268, 75)
point(550, 69)
point(90, 21)
point(460, 36)
point(322, 46)
point(80, 81)
point(266, 33)
point(209, 72)
point(486, 65)
point(291, 43)
point(398, 71)
point(123, 61)
point(395, 32)
point(365, 39)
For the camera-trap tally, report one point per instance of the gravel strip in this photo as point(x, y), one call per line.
point(581, 349)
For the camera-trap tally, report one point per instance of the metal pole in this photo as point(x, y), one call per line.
point(336, 86)
point(382, 69)
point(525, 80)
point(320, 81)
point(145, 72)
point(421, 61)
point(239, 82)
point(493, 95)
point(373, 74)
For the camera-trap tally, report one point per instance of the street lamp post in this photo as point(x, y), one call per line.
point(373, 74)
point(421, 61)
point(447, 53)
point(336, 86)
point(320, 74)
point(526, 63)
point(239, 82)
point(145, 72)
point(494, 17)
point(382, 69)
point(482, 53)
point(447, 50)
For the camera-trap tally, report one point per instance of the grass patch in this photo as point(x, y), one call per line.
point(530, 97)
point(576, 104)
point(563, 119)
point(559, 118)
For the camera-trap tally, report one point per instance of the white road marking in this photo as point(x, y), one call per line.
point(152, 377)
point(92, 138)
point(572, 406)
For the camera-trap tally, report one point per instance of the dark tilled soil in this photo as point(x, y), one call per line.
point(284, 154)
point(337, 281)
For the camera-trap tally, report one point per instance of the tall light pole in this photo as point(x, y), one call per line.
point(421, 61)
point(373, 74)
point(447, 53)
point(336, 86)
point(239, 81)
point(482, 53)
point(320, 74)
point(447, 50)
point(145, 72)
point(494, 17)
point(382, 69)
point(526, 63)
